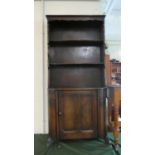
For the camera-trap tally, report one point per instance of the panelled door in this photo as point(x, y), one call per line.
point(77, 114)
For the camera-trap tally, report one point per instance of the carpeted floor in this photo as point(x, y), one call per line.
point(81, 147)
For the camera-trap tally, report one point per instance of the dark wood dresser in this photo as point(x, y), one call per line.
point(76, 77)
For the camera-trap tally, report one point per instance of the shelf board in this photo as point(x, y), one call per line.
point(76, 42)
point(75, 88)
point(73, 64)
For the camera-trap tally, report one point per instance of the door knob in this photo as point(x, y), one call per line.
point(60, 113)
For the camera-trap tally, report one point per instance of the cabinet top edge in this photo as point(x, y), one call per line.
point(75, 17)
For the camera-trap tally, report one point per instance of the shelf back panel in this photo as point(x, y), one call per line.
point(74, 54)
point(62, 31)
point(76, 77)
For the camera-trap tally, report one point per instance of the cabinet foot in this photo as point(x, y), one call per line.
point(50, 141)
point(107, 141)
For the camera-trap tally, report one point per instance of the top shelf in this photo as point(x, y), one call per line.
point(76, 43)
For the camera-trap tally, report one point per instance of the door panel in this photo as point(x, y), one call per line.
point(86, 112)
point(77, 114)
point(70, 110)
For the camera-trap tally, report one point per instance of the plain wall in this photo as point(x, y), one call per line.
point(38, 92)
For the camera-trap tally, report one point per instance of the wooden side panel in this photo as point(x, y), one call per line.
point(52, 114)
point(101, 114)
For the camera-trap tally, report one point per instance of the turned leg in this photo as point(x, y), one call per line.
point(116, 116)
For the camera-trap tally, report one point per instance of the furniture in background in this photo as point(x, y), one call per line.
point(114, 111)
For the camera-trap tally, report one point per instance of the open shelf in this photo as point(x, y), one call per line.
point(75, 54)
point(64, 31)
point(74, 65)
point(76, 42)
point(76, 76)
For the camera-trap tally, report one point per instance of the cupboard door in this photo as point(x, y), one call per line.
point(77, 111)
